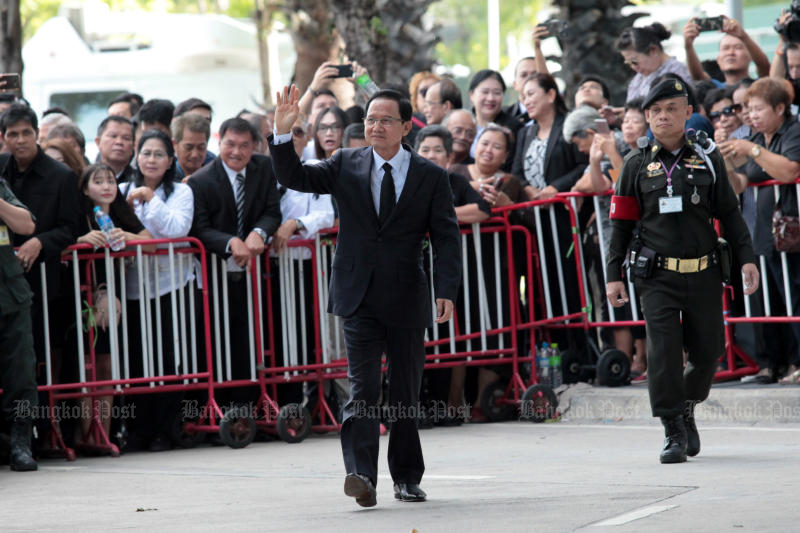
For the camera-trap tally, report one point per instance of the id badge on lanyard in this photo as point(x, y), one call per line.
point(670, 203)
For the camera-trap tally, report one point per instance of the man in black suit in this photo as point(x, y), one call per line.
point(236, 209)
point(525, 67)
point(388, 199)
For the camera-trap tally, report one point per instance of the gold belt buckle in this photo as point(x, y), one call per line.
point(688, 266)
point(672, 264)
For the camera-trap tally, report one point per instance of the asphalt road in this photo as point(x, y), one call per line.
point(507, 477)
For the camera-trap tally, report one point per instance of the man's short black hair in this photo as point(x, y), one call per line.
point(449, 92)
point(599, 81)
point(134, 100)
point(403, 103)
point(239, 125)
point(156, 111)
point(190, 104)
point(114, 118)
point(355, 114)
point(17, 112)
point(353, 131)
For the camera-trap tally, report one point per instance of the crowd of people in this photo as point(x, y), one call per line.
point(156, 179)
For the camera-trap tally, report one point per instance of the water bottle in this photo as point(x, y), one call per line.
point(543, 364)
point(106, 226)
point(556, 375)
point(366, 83)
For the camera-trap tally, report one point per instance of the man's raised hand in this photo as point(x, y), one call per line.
point(287, 109)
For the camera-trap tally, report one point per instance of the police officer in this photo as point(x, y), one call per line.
point(17, 359)
point(662, 216)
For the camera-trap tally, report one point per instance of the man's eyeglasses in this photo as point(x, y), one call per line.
point(728, 111)
point(383, 121)
point(463, 131)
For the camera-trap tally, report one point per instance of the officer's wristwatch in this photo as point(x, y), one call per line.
point(755, 151)
point(261, 233)
point(300, 225)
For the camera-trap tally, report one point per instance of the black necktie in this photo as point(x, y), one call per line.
point(387, 194)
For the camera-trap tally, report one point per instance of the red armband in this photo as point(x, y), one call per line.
point(624, 208)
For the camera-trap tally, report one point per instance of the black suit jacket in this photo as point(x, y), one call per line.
point(563, 163)
point(49, 190)
point(516, 113)
point(215, 217)
point(388, 258)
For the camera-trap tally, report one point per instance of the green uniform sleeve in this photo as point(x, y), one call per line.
point(7, 194)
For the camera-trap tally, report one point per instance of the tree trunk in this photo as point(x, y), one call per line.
point(386, 37)
point(263, 15)
point(311, 25)
point(10, 37)
point(589, 46)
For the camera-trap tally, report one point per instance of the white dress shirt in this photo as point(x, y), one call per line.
point(168, 218)
point(315, 211)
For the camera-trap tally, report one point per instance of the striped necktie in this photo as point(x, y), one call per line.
point(240, 205)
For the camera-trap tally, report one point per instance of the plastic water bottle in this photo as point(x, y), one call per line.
point(366, 83)
point(556, 374)
point(106, 226)
point(543, 364)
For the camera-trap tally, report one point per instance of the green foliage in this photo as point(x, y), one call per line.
point(378, 27)
point(34, 13)
point(464, 33)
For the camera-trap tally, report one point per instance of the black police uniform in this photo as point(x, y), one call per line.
point(682, 295)
point(17, 358)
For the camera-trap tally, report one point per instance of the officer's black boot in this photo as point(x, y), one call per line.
point(675, 440)
point(692, 435)
point(21, 456)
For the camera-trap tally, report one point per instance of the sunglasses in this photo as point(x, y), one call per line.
point(728, 111)
point(423, 91)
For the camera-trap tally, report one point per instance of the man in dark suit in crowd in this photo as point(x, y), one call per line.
point(237, 208)
point(388, 199)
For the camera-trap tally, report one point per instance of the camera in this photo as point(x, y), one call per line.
point(345, 70)
point(791, 30)
point(558, 28)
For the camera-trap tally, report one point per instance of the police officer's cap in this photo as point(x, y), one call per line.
point(666, 89)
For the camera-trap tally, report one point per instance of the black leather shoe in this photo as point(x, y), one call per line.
point(675, 440)
point(692, 435)
point(362, 489)
point(409, 492)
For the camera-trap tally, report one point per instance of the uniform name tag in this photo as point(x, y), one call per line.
point(4, 240)
point(670, 204)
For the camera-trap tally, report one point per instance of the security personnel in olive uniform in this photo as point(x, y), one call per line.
point(17, 359)
point(662, 220)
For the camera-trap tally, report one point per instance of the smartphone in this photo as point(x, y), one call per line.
point(601, 126)
point(9, 82)
point(556, 27)
point(710, 23)
point(345, 71)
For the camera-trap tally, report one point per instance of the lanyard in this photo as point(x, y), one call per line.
point(669, 172)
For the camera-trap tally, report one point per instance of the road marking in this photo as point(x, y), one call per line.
point(634, 515)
